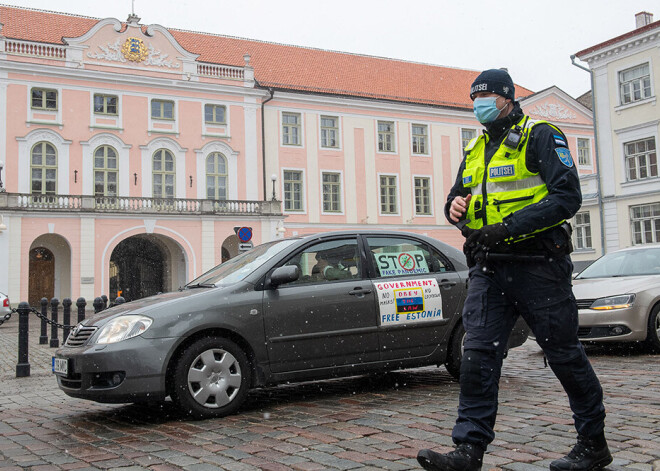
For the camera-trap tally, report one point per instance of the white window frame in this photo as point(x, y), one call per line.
point(303, 195)
point(395, 136)
point(232, 168)
point(589, 164)
point(301, 134)
point(226, 125)
point(61, 145)
point(414, 199)
point(163, 173)
point(44, 167)
point(105, 95)
point(625, 161)
point(338, 128)
point(55, 114)
point(341, 192)
point(643, 99)
point(654, 221)
point(427, 139)
point(174, 122)
point(460, 136)
point(115, 119)
point(162, 101)
point(582, 232)
point(179, 153)
point(46, 89)
point(215, 105)
point(398, 194)
point(89, 147)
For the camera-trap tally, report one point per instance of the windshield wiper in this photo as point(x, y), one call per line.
point(201, 285)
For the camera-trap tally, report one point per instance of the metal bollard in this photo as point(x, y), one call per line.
point(23, 365)
point(43, 338)
point(66, 318)
point(54, 340)
point(105, 301)
point(81, 303)
point(120, 300)
point(98, 305)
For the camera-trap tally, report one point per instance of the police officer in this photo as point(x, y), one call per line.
point(515, 189)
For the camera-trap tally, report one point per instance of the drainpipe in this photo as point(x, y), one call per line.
point(597, 154)
point(263, 139)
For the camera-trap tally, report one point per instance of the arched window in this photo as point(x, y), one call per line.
point(105, 171)
point(216, 176)
point(163, 174)
point(43, 169)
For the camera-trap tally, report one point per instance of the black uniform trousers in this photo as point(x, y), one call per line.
point(540, 291)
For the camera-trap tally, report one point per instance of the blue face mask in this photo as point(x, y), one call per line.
point(486, 110)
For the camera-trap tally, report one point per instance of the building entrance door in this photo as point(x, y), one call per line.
point(41, 283)
point(136, 269)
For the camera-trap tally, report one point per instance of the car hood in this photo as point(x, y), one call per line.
point(593, 288)
point(152, 304)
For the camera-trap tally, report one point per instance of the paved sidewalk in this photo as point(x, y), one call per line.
point(364, 423)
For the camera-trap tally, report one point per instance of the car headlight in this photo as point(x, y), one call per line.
point(122, 328)
point(613, 302)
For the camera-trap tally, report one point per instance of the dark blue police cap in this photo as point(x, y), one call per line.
point(495, 81)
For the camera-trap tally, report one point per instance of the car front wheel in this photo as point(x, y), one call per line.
point(455, 353)
point(653, 336)
point(211, 378)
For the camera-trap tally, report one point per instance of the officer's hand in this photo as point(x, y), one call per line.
point(488, 236)
point(458, 207)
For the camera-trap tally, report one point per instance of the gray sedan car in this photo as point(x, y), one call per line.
point(322, 306)
point(618, 297)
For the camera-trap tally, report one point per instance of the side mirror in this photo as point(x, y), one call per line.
point(285, 274)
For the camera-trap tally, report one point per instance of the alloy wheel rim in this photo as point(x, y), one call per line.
point(214, 378)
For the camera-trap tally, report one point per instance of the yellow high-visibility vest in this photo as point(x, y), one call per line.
point(506, 185)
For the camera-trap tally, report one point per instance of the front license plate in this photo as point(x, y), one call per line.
point(61, 366)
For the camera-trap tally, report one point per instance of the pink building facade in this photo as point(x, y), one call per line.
point(133, 153)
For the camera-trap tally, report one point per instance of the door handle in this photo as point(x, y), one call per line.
point(447, 283)
point(359, 292)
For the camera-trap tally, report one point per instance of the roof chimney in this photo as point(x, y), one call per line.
point(643, 18)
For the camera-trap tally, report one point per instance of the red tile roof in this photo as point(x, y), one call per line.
point(609, 42)
point(282, 66)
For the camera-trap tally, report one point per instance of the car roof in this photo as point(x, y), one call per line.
point(638, 247)
point(319, 235)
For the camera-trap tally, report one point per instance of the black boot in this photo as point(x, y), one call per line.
point(466, 457)
point(588, 454)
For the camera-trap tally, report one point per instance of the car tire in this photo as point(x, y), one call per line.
point(653, 335)
point(455, 350)
point(211, 378)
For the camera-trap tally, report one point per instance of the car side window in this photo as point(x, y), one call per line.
point(397, 256)
point(327, 261)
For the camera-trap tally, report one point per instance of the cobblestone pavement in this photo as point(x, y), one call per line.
point(366, 423)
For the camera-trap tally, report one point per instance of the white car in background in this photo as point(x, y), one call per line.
point(618, 297)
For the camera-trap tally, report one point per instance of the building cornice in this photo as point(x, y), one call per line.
point(305, 100)
point(113, 78)
point(620, 49)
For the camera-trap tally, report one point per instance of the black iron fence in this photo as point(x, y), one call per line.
point(24, 310)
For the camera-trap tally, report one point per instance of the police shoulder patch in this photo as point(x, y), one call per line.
point(564, 156)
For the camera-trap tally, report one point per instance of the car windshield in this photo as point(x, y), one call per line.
point(624, 263)
point(237, 268)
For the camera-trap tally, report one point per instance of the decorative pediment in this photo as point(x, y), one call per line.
point(109, 42)
point(555, 105)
